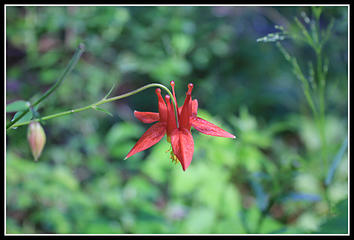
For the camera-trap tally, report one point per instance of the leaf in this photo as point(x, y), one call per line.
point(261, 197)
point(103, 110)
point(338, 224)
point(199, 220)
point(25, 118)
point(336, 161)
point(295, 196)
point(110, 91)
point(19, 105)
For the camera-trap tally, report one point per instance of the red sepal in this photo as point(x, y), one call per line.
point(208, 128)
point(183, 146)
point(194, 107)
point(152, 136)
point(147, 117)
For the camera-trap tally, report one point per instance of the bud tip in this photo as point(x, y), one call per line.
point(190, 87)
point(36, 139)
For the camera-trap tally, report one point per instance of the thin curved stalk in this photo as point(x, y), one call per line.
point(105, 100)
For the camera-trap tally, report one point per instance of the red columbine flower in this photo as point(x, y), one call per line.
point(180, 138)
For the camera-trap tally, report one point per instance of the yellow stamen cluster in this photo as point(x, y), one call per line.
point(173, 157)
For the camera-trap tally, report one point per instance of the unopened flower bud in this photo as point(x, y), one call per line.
point(36, 138)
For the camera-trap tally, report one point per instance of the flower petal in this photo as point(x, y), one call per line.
point(162, 106)
point(194, 107)
point(147, 117)
point(208, 128)
point(171, 118)
point(183, 146)
point(186, 112)
point(152, 136)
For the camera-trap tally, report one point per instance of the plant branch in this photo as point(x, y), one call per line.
point(106, 100)
point(67, 70)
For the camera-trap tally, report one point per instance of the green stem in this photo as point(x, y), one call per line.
point(67, 70)
point(320, 119)
point(321, 96)
point(107, 100)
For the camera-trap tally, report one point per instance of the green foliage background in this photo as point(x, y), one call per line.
point(268, 180)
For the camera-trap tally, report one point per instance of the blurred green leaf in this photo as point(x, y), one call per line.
point(103, 110)
point(26, 117)
point(200, 220)
point(182, 43)
point(336, 161)
point(247, 88)
point(337, 224)
point(16, 106)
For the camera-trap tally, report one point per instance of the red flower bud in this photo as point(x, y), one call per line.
point(36, 139)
